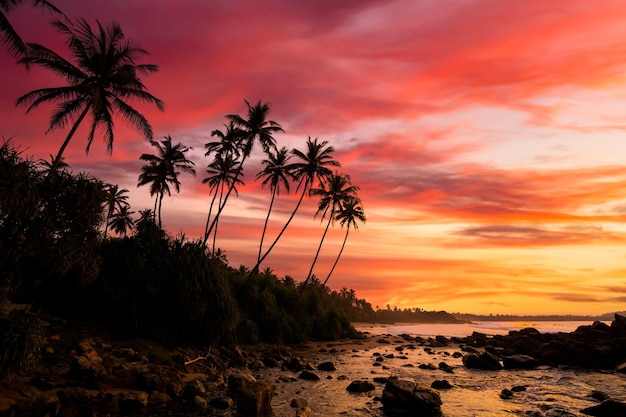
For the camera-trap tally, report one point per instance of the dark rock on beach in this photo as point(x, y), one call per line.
point(403, 398)
point(607, 408)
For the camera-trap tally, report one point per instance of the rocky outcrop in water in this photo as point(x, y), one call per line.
point(403, 398)
point(595, 346)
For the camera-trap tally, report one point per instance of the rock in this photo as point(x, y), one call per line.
point(518, 388)
point(506, 394)
point(194, 388)
point(294, 364)
point(308, 376)
point(484, 361)
point(406, 398)
point(299, 403)
point(222, 403)
point(158, 399)
point(199, 403)
point(599, 395)
point(255, 398)
point(326, 366)
point(618, 326)
point(520, 362)
point(236, 381)
point(608, 408)
point(360, 386)
point(441, 384)
point(132, 401)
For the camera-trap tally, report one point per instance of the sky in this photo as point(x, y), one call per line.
point(487, 138)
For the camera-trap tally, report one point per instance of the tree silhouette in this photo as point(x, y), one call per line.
point(121, 221)
point(101, 78)
point(9, 36)
point(275, 173)
point(116, 199)
point(254, 128)
point(164, 169)
point(334, 194)
point(314, 164)
point(347, 214)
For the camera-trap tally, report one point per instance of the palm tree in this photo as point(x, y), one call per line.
point(9, 36)
point(347, 215)
point(101, 78)
point(315, 163)
point(275, 173)
point(255, 128)
point(116, 199)
point(334, 194)
point(163, 169)
point(224, 167)
point(46, 166)
point(121, 221)
point(222, 173)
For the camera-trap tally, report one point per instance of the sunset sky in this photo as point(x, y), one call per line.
point(488, 137)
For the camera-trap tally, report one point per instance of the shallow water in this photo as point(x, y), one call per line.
point(475, 393)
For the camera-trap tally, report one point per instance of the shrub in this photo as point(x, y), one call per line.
point(21, 339)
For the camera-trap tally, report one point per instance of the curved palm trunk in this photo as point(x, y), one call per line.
point(160, 205)
point(230, 189)
point(208, 219)
point(267, 252)
point(338, 256)
point(57, 159)
point(217, 221)
point(267, 218)
point(332, 213)
point(154, 213)
point(106, 223)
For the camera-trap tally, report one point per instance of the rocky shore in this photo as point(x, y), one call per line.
point(87, 374)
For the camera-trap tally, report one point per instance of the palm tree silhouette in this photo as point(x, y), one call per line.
point(116, 199)
point(163, 169)
point(347, 214)
point(100, 80)
point(275, 173)
point(223, 169)
point(222, 173)
point(46, 166)
point(334, 194)
point(121, 221)
point(9, 36)
point(315, 163)
point(254, 128)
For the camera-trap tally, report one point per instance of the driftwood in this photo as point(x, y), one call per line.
point(199, 358)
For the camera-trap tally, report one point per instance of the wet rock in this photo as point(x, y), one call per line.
point(608, 408)
point(506, 394)
point(360, 386)
point(441, 384)
point(326, 366)
point(406, 398)
point(520, 362)
point(309, 376)
point(599, 395)
point(484, 361)
point(518, 388)
point(223, 403)
point(255, 398)
point(299, 403)
point(237, 381)
point(158, 399)
point(132, 401)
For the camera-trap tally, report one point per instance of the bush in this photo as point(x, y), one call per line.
point(21, 339)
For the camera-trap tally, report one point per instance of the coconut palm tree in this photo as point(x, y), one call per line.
point(314, 164)
point(334, 193)
point(164, 169)
point(222, 173)
point(275, 173)
point(116, 199)
point(46, 166)
point(101, 77)
point(8, 35)
point(121, 221)
point(347, 214)
point(254, 128)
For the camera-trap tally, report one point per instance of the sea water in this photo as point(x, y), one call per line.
point(550, 392)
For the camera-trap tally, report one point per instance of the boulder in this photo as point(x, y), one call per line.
point(520, 362)
point(299, 403)
point(441, 384)
point(360, 386)
point(308, 376)
point(131, 401)
point(406, 398)
point(484, 361)
point(326, 366)
point(608, 408)
point(254, 398)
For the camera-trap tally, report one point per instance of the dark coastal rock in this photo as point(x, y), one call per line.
point(608, 408)
point(506, 394)
point(132, 401)
point(360, 386)
point(326, 366)
point(599, 395)
point(403, 398)
point(255, 398)
point(485, 361)
point(237, 381)
point(618, 326)
point(309, 376)
point(441, 384)
point(299, 403)
point(520, 362)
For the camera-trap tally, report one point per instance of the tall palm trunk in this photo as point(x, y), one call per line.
point(57, 159)
point(160, 205)
point(332, 213)
point(267, 252)
point(217, 221)
point(230, 189)
point(267, 218)
point(208, 219)
point(338, 256)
